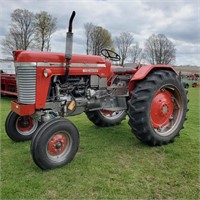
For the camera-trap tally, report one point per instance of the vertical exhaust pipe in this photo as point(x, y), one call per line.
point(69, 43)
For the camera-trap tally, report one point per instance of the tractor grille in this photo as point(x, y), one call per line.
point(26, 84)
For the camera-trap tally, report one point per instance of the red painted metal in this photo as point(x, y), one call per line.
point(80, 60)
point(161, 109)
point(8, 84)
point(22, 109)
point(143, 71)
point(106, 112)
point(42, 86)
point(57, 144)
point(25, 127)
point(195, 84)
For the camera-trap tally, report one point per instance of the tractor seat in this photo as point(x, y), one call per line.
point(128, 67)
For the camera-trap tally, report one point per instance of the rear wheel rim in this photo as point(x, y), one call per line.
point(111, 114)
point(59, 146)
point(166, 110)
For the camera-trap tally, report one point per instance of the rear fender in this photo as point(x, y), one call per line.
point(143, 71)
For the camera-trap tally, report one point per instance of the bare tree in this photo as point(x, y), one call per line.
point(159, 50)
point(45, 26)
point(21, 31)
point(123, 44)
point(29, 31)
point(97, 38)
point(88, 30)
point(135, 53)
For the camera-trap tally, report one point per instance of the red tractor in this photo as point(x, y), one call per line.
point(195, 84)
point(52, 86)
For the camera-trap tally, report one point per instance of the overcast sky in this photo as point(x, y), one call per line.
point(179, 20)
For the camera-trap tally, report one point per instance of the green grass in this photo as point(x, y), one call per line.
point(110, 164)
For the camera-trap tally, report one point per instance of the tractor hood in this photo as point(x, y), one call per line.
point(49, 57)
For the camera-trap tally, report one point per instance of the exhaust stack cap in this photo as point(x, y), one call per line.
point(69, 38)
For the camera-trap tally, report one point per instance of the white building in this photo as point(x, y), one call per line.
point(7, 66)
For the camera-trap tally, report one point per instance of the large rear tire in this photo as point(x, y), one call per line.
point(55, 144)
point(105, 118)
point(20, 128)
point(157, 108)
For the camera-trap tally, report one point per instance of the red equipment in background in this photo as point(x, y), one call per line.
point(8, 84)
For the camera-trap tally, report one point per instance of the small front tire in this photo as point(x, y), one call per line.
point(20, 128)
point(55, 144)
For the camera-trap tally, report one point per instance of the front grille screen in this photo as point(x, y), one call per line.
point(26, 84)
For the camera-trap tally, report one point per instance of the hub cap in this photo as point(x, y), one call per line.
point(58, 146)
point(161, 109)
point(26, 125)
point(166, 110)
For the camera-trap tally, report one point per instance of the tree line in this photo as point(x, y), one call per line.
point(158, 48)
point(34, 31)
point(29, 31)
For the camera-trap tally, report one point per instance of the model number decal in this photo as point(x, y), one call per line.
point(90, 70)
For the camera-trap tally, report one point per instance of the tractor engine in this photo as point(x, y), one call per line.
point(84, 93)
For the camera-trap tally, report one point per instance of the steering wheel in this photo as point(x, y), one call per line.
point(110, 54)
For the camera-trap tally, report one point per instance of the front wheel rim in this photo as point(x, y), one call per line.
point(59, 146)
point(26, 126)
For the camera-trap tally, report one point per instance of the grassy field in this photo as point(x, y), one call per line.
point(110, 164)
